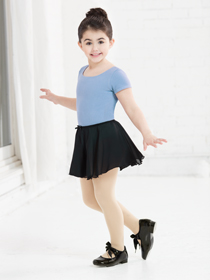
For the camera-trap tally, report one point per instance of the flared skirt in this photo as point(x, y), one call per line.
point(101, 147)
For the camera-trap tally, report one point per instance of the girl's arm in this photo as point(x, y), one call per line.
point(135, 114)
point(138, 119)
point(67, 102)
point(62, 100)
point(133, 111)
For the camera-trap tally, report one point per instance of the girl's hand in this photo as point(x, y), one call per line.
point(49, 95)
point(150, 139)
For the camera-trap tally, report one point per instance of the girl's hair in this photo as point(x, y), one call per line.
point(96, 19)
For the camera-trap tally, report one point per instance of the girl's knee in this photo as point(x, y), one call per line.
point(89, 201)
point(93, 204)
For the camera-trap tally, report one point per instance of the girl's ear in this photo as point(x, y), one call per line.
point(80, 45)
point(111, 43)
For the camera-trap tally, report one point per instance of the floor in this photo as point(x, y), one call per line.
point(57, 236)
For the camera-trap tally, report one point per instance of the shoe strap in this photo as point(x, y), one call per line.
point(135, 241)
point(110, 249)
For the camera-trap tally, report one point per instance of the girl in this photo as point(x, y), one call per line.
point(102, 145)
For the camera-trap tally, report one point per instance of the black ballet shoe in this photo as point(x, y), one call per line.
point(120, 257)
point(147, 227)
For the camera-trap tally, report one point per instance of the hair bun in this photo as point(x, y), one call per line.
point(96, 12)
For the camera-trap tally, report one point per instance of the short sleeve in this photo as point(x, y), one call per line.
point(119, 81)
point(80, 71)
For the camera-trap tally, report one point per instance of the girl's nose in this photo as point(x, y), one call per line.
point(94, 49)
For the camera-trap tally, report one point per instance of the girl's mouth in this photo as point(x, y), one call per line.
point(96, 55)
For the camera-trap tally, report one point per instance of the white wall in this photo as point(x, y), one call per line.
point(164, 47)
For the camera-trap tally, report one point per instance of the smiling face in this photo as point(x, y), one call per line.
point(95, 45)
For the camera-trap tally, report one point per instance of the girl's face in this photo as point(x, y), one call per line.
point(95, 45)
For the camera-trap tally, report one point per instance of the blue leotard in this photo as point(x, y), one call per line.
point(96, 99)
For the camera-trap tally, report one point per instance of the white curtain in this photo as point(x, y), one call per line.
point(37, 45)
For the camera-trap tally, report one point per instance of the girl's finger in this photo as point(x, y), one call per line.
point(45, 90)
point(159, 142)
point(153, 145)
point(163, 139)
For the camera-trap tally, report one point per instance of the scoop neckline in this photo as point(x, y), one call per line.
point(96, 75)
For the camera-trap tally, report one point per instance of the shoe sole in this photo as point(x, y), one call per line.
point(125, 261)
point(107, 265)
point(155, 227)
point(152, 231)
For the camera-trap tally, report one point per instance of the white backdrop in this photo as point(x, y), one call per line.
point(38, 62)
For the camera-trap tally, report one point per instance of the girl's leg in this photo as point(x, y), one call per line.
point(130, 221)
point(104, 189)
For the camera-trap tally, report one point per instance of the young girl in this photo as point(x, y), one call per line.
point(102, 145)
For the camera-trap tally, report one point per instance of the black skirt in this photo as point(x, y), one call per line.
point(101, 147)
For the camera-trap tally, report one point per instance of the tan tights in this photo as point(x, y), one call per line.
point(99, 194)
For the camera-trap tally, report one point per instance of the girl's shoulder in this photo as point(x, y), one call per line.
point(118, 73)
point(83, 68)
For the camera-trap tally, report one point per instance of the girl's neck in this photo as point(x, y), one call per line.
point(99, 66)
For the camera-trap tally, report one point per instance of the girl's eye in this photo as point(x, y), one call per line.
point(99, 42)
